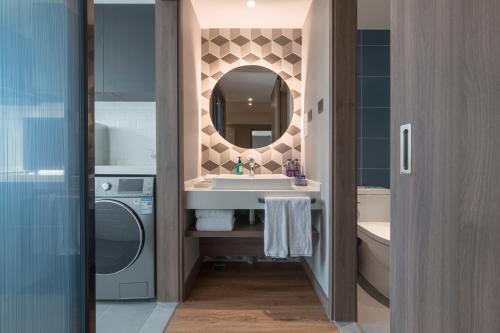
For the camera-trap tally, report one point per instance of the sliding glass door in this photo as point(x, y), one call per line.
point(43, 166)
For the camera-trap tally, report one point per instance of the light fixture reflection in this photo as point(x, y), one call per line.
point(251, 3)
point(50, 172)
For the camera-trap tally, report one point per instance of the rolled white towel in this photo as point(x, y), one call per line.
point(215, 224)
point(214, 213)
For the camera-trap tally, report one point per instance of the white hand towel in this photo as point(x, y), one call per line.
point(215, 224)
point(213, 213)
point(275, 228)
point(299, 227)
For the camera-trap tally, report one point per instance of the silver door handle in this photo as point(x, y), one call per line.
point(405, 149)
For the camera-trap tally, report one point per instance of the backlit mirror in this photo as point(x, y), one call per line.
point(251, 106)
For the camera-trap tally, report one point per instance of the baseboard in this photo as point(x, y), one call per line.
point(188, 284)
point(317, 288)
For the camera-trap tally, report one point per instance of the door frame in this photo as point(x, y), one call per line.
point(342, 302)
point(169, 159)
point(88, 171)
point(343, 143)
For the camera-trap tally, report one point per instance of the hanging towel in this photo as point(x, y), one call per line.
point(275, 228)
point(214, 213)
point(215, 224)
point(299, 227)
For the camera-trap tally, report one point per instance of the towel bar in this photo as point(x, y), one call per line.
point(262, 200)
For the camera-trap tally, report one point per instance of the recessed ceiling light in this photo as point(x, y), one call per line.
point(250, 104)
point(251, 3)
point(250, 99)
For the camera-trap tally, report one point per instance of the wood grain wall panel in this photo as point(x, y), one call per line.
point(169, 167)
point(445, 228)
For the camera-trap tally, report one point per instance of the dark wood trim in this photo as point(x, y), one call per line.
point(213, 247)
point(87, 181)
point(317, 288)
point(168, 162)
point(342, 291)
point(193, 275)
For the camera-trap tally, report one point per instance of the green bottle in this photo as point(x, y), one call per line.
point(239, 166)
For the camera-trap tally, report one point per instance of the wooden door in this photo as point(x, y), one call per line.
point(445, 223)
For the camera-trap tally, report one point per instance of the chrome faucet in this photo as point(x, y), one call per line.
point(251, 163)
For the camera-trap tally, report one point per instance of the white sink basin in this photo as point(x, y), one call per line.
point(247, 182)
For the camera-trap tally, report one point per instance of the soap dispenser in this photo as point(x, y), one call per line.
point(239, 166)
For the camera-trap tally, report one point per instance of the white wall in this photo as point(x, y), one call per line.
point(191, 90)
point(316, 75)
point(374, 14)
point(101, 137)
point(131, 132)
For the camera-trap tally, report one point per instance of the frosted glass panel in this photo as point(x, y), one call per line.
point(41, 124)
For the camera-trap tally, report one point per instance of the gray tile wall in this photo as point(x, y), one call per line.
point(373, 107)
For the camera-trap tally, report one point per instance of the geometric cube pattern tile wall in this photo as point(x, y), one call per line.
point(279, 50)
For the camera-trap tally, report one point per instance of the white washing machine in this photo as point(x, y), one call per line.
point(125, 238)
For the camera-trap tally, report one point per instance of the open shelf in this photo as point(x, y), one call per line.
point(242, 229)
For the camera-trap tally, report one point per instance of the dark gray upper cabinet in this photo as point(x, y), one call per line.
point(98, 49)
point(125, 52)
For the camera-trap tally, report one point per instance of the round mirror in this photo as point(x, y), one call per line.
point(251, 106)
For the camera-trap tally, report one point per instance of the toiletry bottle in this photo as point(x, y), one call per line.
point(239, 166)
point(297, 168)
point(288, 168)
point(292, 168)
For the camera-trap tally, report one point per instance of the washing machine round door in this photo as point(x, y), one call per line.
point(119, 236)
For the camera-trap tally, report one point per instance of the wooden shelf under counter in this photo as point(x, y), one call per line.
point(242, 229)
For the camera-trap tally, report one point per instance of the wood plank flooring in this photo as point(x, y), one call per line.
point(244, 298)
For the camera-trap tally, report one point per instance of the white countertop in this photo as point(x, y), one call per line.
point(125, 170)
point(210, 198)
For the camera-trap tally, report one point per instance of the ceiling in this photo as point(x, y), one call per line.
point(372, 14)
point(239, 85)
point(266, 13)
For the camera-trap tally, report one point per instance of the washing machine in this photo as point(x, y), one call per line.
point(124, 238)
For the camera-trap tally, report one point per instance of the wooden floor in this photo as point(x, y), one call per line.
point(243, 298)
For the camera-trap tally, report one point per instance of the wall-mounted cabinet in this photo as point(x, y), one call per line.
point(124, 52)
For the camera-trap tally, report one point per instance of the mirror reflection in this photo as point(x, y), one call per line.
point(251, 106)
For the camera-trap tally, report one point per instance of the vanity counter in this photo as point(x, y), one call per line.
point(199, 194)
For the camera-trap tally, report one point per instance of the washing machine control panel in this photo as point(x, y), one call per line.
point(129, 186)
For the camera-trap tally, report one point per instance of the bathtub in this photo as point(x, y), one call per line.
point(374, 237)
